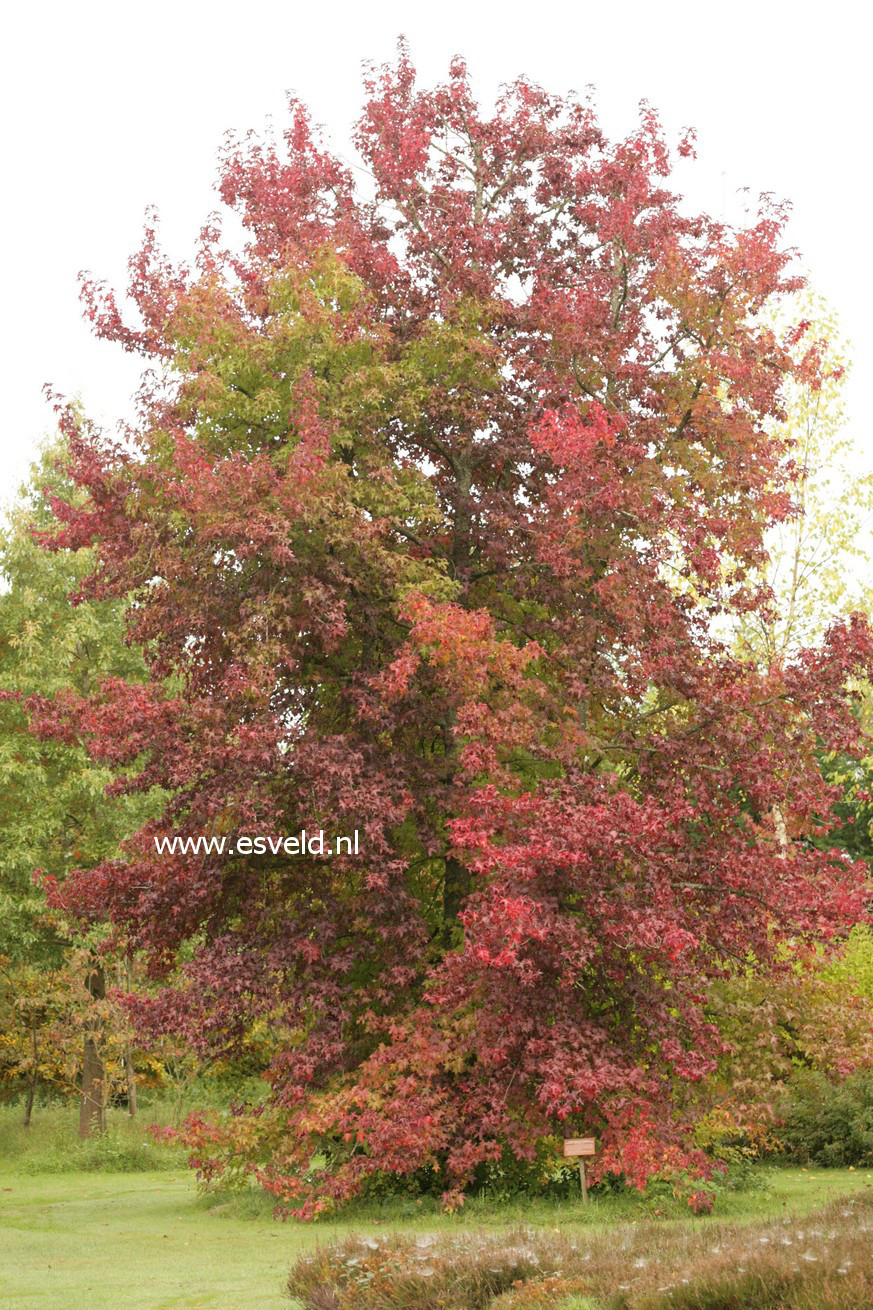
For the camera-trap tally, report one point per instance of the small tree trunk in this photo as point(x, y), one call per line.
point(129, 1071)
point(130, 1075)
point(92, 1110)
point(781, 830)
point(456, 889)
point(34, 1076)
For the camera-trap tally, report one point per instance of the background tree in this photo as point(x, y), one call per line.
point(818, 563)
point(817, 1015)
point(436, 499)
point(54, 809)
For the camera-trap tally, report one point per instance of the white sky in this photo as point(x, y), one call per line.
point(108, 107)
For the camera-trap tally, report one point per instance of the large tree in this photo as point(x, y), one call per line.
point(442, 489)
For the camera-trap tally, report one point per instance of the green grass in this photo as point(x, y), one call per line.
point(73, 1238)
point(775, 1191)
point(138, 1240)
point(51, 1144)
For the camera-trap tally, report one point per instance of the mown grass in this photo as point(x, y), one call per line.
point(106, 1241)
point(107, 1236)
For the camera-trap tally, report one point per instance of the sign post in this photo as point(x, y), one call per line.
point(579, 1148)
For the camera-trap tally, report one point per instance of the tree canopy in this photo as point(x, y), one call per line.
point(443, 487)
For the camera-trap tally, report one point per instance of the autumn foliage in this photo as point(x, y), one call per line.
point(446, 491)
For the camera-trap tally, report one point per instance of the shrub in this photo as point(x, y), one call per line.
point(702, 1201)
point(829, 1123)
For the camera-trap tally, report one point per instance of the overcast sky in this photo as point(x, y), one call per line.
point(108, 108)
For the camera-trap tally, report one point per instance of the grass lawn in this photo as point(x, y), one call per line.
point(146, 1240)
point(134, 1239)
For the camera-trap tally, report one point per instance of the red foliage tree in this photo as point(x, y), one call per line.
point(443, 490)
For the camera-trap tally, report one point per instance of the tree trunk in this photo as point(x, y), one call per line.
point(92, 1110)
point(34, 1077)
point(130, 1075)
point(456, 889)
point(129, 1071)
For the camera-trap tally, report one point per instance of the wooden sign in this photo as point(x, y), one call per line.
point(578, 1146)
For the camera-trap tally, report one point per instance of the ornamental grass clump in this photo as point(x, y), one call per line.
point(425, 1272)
point(822, 1261)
